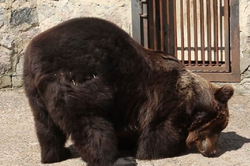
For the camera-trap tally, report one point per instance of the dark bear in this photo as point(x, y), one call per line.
point(89, 80)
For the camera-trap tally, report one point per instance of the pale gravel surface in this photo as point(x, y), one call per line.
point(19, 146)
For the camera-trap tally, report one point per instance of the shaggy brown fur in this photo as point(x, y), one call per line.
point(88, 79)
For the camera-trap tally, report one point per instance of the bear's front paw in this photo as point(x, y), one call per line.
point(126, 161)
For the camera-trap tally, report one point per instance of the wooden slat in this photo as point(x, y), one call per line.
point(235, 38)
point(145, 26)
point(154, 24)
point(205, 69)
point(221, 77)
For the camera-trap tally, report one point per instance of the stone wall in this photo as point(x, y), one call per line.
point(244, 86)
point(20, 20)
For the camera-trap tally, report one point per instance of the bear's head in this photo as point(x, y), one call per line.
point(209, 122)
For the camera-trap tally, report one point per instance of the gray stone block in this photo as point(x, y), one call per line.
point(7, 40)
point(5, 62)
point(17, 81)
point(23, 15)
point(1, 16)
point(5, 81)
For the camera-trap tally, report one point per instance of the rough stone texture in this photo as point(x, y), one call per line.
point(5, 62)
point(245, 32)
point(52, 12)
point(21, 20)
point(17, 80)
point(23, 15)
point(7, 40)
point(19, 145)
point(1, 16)
point(5, 81)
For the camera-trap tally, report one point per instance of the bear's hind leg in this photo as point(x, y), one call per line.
point(52, 142)
point(50, 137)
point(97, 144)
point(84, 111)
point(96, 141)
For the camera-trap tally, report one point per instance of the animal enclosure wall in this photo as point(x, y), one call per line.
point(203, 34)
point(21, 20)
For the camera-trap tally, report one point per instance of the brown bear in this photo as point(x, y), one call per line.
point(89, 80)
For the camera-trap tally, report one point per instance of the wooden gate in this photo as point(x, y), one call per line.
point(203, 34)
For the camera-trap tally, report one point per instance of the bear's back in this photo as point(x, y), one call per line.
point(82, 47)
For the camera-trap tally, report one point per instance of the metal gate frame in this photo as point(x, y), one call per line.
point(141, 33)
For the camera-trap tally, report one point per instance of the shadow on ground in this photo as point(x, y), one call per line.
point(230, 141)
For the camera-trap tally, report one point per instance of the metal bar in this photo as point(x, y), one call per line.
point(175, 28)
point(188, 32)
point(162, 36)
point(226, 71)
point(216, 51)
point(221, 31)
point(209, 32)
point(199, 48)
point(168, 26)
point(154, 25)
point(195, 32)
point(202, 32)
point(182, 33)
point(226, 33)
point(151, 27)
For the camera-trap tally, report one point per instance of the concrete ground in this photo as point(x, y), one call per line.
point(19, 146)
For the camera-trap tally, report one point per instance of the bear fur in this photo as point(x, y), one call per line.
point(89, 80)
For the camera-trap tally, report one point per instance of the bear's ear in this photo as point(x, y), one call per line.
point(224, 93)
